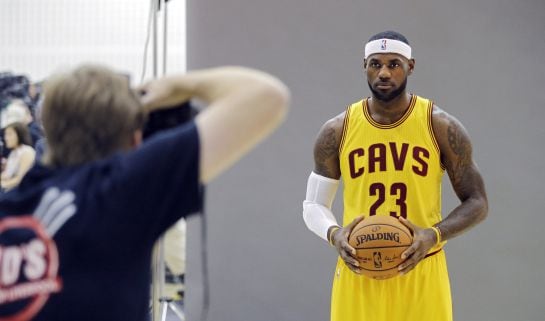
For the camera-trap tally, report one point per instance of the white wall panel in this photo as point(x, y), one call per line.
point(40, 36)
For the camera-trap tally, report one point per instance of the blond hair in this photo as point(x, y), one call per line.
point(88, 113)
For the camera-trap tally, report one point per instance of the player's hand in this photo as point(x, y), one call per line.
point(340, 241)
point(162, 92)
point(423, 240)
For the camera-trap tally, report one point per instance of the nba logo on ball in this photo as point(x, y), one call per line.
point(383, 44)
point(377, 259)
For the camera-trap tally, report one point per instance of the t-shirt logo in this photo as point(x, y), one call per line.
point(28, 268)
point(29, 260)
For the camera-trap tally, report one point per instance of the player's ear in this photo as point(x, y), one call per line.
point(412, 62)
point(364, 64)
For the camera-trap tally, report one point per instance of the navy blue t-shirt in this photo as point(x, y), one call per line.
point(76, 242)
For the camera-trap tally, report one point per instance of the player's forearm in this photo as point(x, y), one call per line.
point(471, 212)
point(317, 205)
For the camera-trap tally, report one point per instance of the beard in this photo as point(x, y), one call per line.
point(387, 97)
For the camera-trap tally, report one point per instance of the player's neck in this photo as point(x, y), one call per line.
point(391, 111)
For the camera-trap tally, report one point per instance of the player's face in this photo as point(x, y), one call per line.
point(387, 75)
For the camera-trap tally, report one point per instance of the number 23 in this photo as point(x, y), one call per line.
point(397, 189)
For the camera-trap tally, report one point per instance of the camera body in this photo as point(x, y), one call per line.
point(170, 117)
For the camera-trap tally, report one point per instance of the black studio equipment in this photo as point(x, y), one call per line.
point(164, 119)
point(158, 121)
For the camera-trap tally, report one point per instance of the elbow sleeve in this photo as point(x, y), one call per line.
point(317, 205)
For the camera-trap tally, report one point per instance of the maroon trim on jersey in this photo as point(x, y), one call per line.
point(376, 124)
point(345, 128)
point(432, 134)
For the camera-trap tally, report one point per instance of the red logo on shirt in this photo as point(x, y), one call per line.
point(29, 264)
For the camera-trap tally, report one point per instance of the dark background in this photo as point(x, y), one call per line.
point(482, 61)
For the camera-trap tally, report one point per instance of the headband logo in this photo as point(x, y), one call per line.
point(383, 44)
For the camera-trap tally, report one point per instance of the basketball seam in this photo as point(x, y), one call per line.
point(353, 231)
point(428, 255)
point(379, 270)
point(380, 247)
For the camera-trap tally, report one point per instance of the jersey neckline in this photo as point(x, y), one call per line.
point(373, 122)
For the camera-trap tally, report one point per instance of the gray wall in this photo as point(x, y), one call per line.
point(482, 61)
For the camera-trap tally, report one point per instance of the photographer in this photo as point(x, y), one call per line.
point(76, 236)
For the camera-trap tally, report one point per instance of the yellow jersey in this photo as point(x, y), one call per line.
point(392, 169)
point(396, 170)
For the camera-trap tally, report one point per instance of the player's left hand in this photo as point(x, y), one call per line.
point(423, 240)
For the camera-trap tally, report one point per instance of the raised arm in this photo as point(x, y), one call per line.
point(244, 106)
point(456, 155)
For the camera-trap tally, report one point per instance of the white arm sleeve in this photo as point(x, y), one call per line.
point(317, 205)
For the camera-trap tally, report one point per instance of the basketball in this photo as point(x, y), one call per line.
point(379, 242)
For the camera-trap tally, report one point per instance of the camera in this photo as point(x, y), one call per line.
point(170, 117)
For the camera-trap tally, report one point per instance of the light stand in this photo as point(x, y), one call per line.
point(160, 302)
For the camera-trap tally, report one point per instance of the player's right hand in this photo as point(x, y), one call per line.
point(340, 241)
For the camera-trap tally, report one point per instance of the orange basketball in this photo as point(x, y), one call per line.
point(379, 242)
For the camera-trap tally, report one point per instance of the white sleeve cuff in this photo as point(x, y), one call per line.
point(317, 205)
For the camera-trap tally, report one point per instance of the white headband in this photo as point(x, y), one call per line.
point(387, 46)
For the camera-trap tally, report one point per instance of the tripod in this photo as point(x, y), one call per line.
point(160, 302)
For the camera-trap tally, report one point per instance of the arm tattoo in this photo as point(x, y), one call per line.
point(456, 140)
point(327, 147)
point(464, 176)
point(326, 153)
point(461, 147)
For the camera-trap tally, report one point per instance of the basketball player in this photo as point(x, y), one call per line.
point(391, 151)
point(76, 236)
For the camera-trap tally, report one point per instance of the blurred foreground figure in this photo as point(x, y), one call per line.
point(76, 236)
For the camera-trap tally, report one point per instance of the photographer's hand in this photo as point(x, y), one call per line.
point(163, 93)
point(244, 106)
